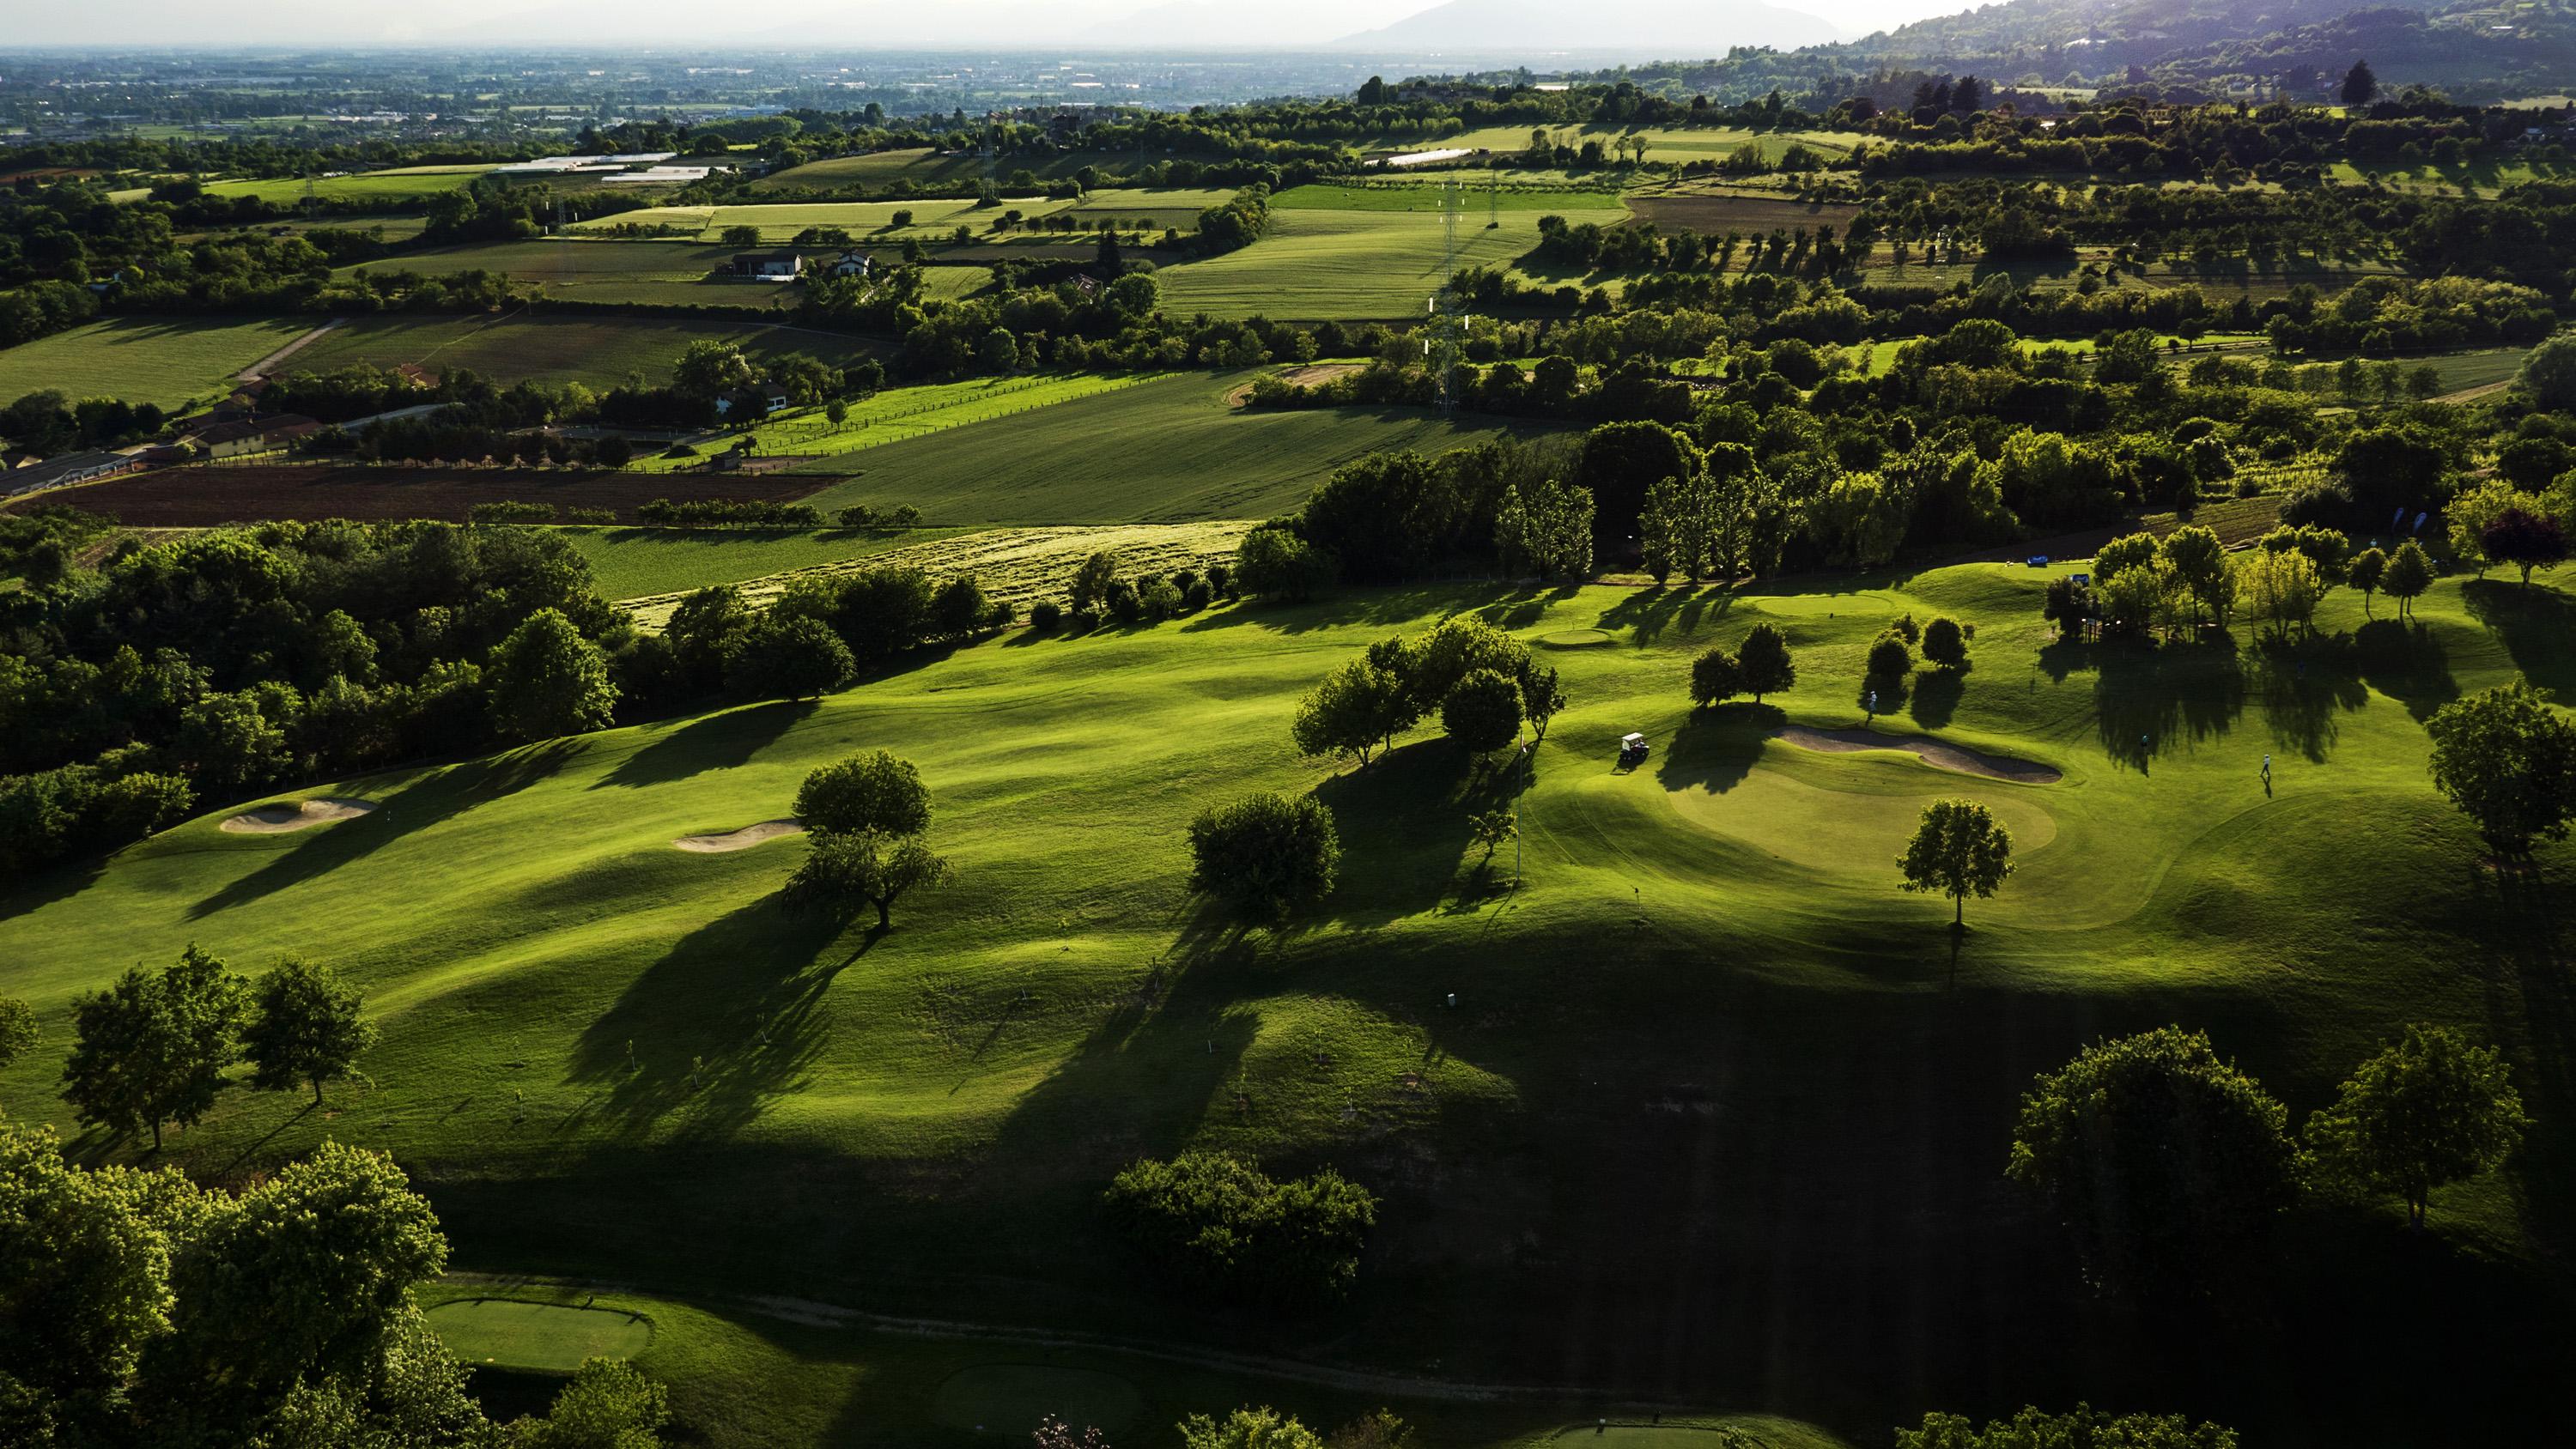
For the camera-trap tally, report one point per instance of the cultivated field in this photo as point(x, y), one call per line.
point(1083, 462)
point(519, 347)
point(657, 273)
point(872, 222)
point(1749, 211)
point(638, 563)
point(927, 167)
point(1737, 1140)
point(398, 184)
point(145, 359)
point(199, 496)
point(1352, 265)
point(898, 414)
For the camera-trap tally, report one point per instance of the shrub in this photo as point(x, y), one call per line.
point(1218, 1222)
point(1715, 678)
point(510, 512)
point(1266, 857)
point(1045, 616)
point(1122, 603)
point(1945, 644)
point(1483, 711)
point(1889, 658)
point(1158, 599)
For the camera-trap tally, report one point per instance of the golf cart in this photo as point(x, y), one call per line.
point(1632, 750)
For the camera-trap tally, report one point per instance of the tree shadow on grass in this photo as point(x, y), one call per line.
point(2303, 684)
point(2407, 663)
point(1648, 613)
point(2535, 626)
point(1344, 607)
point(431, 798)
point(1936, 696)
point(1714, 750)
point(712, 742)
point(1404, 821)
point(2149, 699)
point(727, 1020)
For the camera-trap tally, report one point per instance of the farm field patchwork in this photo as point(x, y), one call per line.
point(631, 563)
point(898, 414)
point(595, 1046)
point(202, 496)
point(396, 184)
point(657, 273)
point(145, 359)
point(1079, 462)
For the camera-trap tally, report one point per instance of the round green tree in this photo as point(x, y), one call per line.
point(1483, 712)
point(1266, 857)
point(2508, 761)
point(1765, 660)
point(2432, 1110)
point(1958, 850)
point(874, 791)
point(1715, 678)
point(547, 680)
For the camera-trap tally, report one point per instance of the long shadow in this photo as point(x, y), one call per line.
point(2303, 684)
point(2407, 663)
point(1354, 606)
point(426, 801)
point(715, 742)
point(2149, 699)
point(729, 1019)
point(1936, 696)
point(1403, 822)
point(1715, 748)
point(2534, 625)
point(1648, 613)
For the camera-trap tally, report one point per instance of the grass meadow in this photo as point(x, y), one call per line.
point(145, 359)
point(1082, 461)
point(657, 273)
point(396, 184)
point(1352, 265)
point(1731, 1147)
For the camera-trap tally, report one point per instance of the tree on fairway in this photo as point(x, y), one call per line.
point(2434, 1109)
point(1542, 698)
point(2525, 540)
point(1945, 643)
point(1765, 661)
point(17, 1030)
point(547, 680)
point(2164, 1162)
point(1483, 711)
point(849, 869)
point(1889, 656)
point(1266, 857)
point(152, 1048)
point(1356, 710)
point(1492, 829)
point(2409, 574)
point(790, 657)
point(304, 1027)
point(1090, 587)
point(2200, 565)
point(2368, 567)
point(2508, 761)
point(1715, 678)
point(2359, 85)
point(1959, 851)
point(870, 792)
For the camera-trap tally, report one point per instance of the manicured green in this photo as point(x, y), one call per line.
point(537, 1337)
point(145, 359)
point(1162, 451)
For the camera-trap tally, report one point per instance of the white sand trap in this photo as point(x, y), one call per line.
point(279, 819)
point(1930, 752)
point(743, 839)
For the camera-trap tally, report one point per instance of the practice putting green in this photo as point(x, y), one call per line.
point(1576, 639)
point(1009, 1399)
point(537, 1337)
point(1820, 606)
point(1846, 823)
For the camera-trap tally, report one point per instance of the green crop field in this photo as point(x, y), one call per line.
point(925, 167)
point(1475, 197)
point(632, 563)
point(1081, 461)
point(595, 350)
point(145, 359)
point(658, 273)
point(404, 183)
point(1348, 265)
point(903, 413)
point(606, 1057)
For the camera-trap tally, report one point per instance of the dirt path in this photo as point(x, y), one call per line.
point(260, 369)
point(1931, 752)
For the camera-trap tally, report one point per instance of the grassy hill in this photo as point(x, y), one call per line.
point(144, 359)
point(1734, 1145)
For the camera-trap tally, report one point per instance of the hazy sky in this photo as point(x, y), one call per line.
point(1002, 23)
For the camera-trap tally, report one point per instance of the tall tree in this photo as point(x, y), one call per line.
point(2432, 1110)
point(848, 869)
point(874, 791)
point(2409, 574)
point(1958, 850)
point(152, 1048)
point(2359, 85)
point(2508, 761)
point(2525, 540)
point(1715, 678)
point(547, 680)
point(2368, 567)
point(2165, 1163)
point(305, 1026)
point(1765, 660)
point(1357, 710)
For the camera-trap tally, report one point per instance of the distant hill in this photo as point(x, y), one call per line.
point(1648, 28)
point(2136, 25)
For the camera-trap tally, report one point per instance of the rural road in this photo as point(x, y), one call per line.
point(260, 368)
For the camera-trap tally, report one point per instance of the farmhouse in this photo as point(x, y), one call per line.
point(778, 266)
point(851, 264)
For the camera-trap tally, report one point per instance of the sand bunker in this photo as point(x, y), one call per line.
point(1930, 752)
point(743, 839)
point(279, 819)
